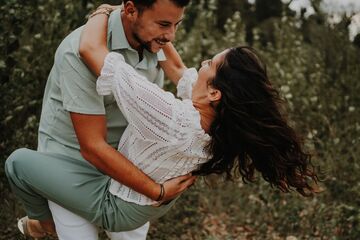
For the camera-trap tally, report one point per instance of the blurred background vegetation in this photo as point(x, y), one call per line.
point(311, 60)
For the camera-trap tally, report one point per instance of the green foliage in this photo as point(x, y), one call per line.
point(313, 64)
point(31, 31)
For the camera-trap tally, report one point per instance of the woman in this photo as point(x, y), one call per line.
point(229, 119)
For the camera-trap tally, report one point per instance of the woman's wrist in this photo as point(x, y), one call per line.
point(112, 7)
point(104, 9)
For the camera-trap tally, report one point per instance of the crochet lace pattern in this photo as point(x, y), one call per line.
point(164, 137)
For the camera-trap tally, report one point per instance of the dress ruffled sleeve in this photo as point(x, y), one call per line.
point(147, 107)
point(106, 79)
point(185, 84)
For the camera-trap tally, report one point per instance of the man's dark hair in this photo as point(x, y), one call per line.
point(144, 4)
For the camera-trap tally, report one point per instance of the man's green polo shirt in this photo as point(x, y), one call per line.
point(71, 87)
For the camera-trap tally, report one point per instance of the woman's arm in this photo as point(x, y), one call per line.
point(173, 66)
point(93, 47)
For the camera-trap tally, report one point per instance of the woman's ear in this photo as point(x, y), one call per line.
point(214, 94)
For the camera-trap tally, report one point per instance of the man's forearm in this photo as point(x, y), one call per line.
point(173, 66)
point(117, 166)
point(91, 133)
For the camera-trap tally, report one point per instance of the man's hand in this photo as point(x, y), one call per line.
point(176, 186)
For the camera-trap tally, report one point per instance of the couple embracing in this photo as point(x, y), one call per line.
point(116, 151)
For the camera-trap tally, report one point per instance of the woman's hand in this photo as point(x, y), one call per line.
point(174, 187)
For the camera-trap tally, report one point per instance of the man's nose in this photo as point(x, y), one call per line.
point(170, 34)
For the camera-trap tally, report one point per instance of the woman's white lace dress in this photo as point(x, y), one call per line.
point(164, 137)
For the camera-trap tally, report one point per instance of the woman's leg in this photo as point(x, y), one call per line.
point(70, 226)
point(137, 234)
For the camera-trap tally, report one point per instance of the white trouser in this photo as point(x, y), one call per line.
point(70, 226)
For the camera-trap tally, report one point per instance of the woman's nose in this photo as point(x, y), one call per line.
point(204, 62)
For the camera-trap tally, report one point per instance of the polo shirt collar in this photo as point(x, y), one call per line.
point(116, 31)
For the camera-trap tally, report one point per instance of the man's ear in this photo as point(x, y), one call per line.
point(130, 10)
point(214, 94)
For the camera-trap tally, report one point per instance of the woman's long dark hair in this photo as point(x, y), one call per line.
point(249, 132)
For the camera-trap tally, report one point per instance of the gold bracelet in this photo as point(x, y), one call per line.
point(103, 10)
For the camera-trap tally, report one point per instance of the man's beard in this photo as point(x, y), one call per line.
point(143, 44)
point(147, 44)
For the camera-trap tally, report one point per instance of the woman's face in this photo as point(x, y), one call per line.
point(202, 89)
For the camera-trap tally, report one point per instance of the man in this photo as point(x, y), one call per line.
point(77, 122)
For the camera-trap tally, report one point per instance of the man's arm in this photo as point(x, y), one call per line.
point(173, 66)
point(91, 129)
point(91, 133)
